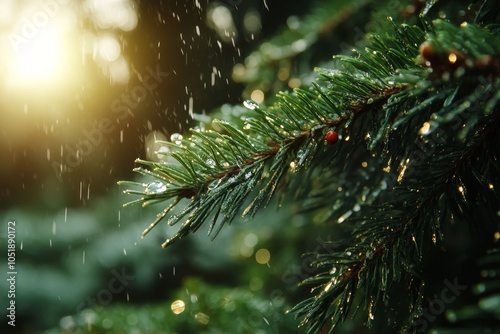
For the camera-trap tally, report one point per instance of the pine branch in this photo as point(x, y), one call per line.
point(389, 242)
point(218, 171)
point(384, 96)
point(390, 238)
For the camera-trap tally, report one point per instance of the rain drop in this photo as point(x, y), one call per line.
point(249, 104)
point(162, 152)
point(214, 184)
point(155, 187)
point(176, 138)
point(210, 163)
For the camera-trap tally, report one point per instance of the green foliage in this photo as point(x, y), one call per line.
point(196, 308)
point(290, 53)
point(484, 314)
point(417, 114)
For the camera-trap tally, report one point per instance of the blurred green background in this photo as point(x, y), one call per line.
point(86, 88)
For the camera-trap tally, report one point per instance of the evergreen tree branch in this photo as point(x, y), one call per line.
point(384, 96)
point(388, 243)
point(217, 170)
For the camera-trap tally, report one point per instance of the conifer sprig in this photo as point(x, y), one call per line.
point(453, 182)
point(405, 89)
point(217, 171)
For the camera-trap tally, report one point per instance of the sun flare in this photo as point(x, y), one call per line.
point(37, 61)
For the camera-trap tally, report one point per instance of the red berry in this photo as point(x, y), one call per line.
point(427, 50)
point(331, 137)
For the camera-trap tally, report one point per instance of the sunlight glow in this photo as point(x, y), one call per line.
point(40, 46)
point(108, 48)
point(44, 46)
point(113, 14)
point(38, 61)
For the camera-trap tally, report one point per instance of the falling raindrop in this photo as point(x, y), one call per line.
point(190, 110)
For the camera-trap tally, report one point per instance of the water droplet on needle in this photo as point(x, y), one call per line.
point(250, 104)
point(155, 187)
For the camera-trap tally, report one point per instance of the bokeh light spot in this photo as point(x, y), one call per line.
point(250, 240)
point(202, 318)
point(258, 96)
point(262, 256)
point(108, 48)
point(178, 306)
